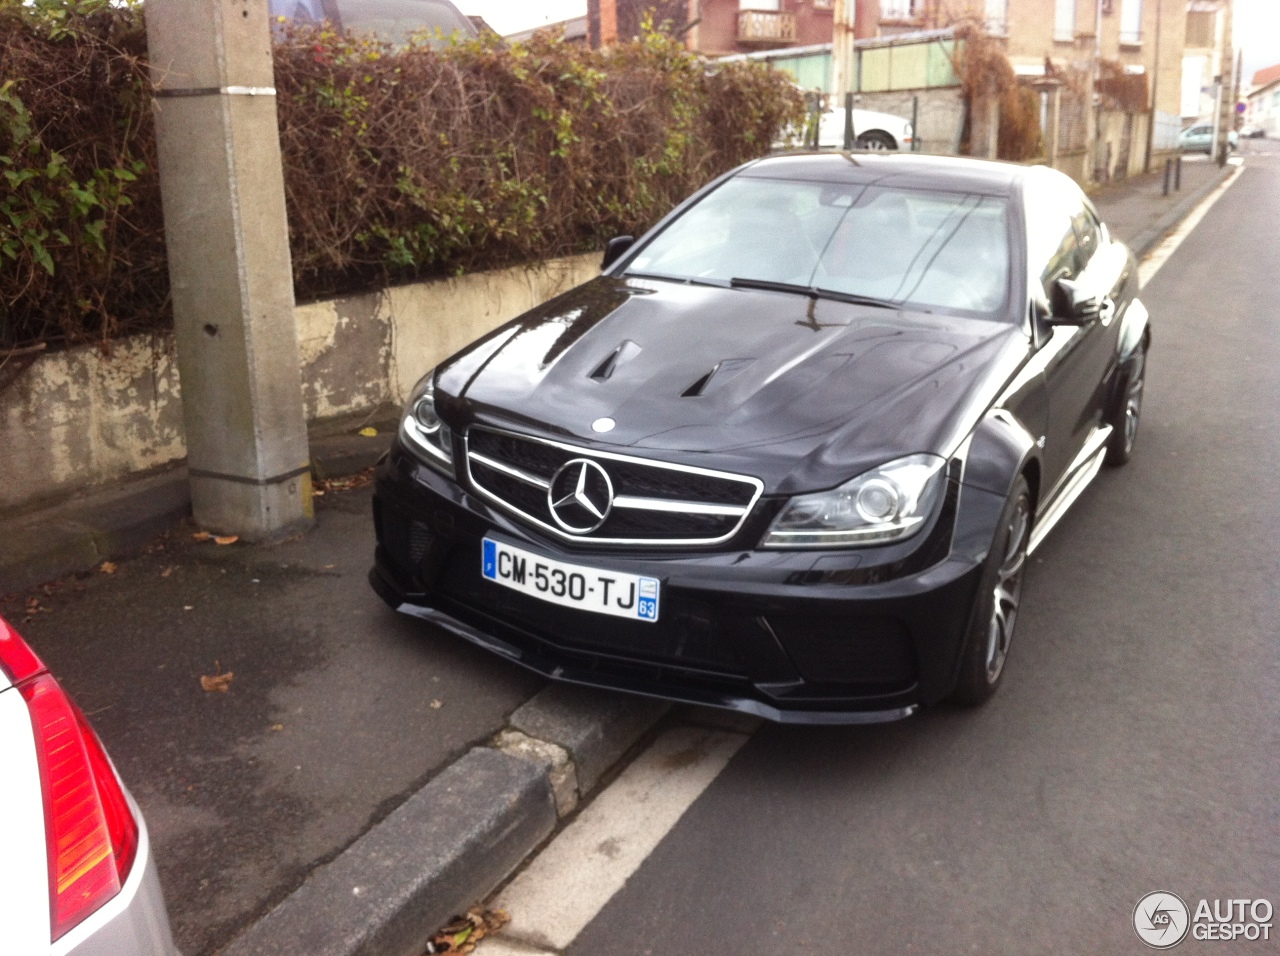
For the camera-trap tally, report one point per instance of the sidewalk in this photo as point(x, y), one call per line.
point(1137, 212)
point(339, 715)
point(49, 540)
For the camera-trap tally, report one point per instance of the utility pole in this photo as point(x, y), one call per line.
point(1155, 88)
point(222, 186)
point(1095, 113)
point(843, 13)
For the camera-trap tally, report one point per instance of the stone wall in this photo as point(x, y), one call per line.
point(75, 419)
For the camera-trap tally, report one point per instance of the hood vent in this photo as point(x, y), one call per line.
point(721, 372)
point(623, 353)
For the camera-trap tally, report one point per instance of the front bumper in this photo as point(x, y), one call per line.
point(856, 636)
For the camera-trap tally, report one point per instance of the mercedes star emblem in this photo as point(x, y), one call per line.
point(580, 496)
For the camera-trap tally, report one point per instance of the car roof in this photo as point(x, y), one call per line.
point(910, 170)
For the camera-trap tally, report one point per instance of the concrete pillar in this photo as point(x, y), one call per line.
point(222, 186)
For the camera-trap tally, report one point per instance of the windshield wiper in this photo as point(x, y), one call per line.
point(813, 292)
point(683, 280)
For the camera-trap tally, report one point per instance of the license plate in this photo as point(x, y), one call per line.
point(570, 585)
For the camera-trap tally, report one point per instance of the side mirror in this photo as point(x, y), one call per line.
point(614, 250)
point(1071, 305)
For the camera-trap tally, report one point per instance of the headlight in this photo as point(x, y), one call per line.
point(886, 504)
point(421, 429)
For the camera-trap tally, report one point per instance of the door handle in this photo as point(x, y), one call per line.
point(1108, 310)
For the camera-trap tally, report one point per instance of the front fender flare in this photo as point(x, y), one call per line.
point(1000, 449)
point(1135, 326)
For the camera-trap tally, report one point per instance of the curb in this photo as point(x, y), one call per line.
point(79, 534)
point(454, 841)
point(1145, 241)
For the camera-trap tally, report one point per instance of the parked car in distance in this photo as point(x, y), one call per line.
point(1253, 131)
point(872, 130)
point(76, 874)
point(393, 21)
point(1199, 139)
point(789, 452)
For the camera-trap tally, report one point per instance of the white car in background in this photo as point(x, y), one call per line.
point(76, 873)
point(871, 130)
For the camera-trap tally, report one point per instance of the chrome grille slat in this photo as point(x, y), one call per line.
point(655, 503)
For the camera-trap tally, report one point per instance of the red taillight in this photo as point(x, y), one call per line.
point(89, 829)
point(16, 659)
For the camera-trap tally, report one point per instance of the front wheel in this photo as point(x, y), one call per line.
point(1124, 419)
point(876, 141)
point(995, 610)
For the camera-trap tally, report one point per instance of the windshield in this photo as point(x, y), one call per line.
point(910, 247)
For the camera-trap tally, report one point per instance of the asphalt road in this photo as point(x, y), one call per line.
point(1134, 745)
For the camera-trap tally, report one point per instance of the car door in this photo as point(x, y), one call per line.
point(1074, 357)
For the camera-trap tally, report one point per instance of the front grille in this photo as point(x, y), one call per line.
point(653, 503)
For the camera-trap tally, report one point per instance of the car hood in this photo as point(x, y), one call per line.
point(801, 393)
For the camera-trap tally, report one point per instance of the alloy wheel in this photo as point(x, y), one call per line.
point(1133, 399)
point(1008, 589)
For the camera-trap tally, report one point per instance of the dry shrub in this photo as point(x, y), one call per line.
point(1119, 90)
point(984, 70)
point(398, 165)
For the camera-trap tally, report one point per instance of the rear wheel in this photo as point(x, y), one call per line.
point(1128, 411)
point(876, 141)
point(995, 611)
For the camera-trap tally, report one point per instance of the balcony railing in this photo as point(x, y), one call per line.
point(766, 27)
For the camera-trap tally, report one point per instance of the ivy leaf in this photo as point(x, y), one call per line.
point(41, 255)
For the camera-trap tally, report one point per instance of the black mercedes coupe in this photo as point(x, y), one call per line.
point(789, 453)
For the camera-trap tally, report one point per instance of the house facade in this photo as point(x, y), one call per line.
point(1262, 103)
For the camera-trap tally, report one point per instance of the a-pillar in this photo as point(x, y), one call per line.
point(222, 186)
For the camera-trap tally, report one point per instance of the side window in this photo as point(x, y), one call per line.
point(1088, 234)
point(1052, 247)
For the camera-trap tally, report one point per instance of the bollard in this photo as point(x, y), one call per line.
point(1168, 168)
point(848, 122)
point(1177, 174)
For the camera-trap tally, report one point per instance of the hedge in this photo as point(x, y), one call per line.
point(398, 165)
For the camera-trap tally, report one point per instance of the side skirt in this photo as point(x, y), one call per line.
point(1082, 471)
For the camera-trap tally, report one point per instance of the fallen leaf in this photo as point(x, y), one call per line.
point(202, 536)
point(107, 567)
point(329, 566)
point(436, 704)
point(369, 432)
point(463, 933)
point(317, 493)
point(166, 572)
point(277, 726)
point(226, 539)
point(217, 683)
point(188, 607)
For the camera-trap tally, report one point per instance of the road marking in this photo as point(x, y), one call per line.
point(571, 880)
point(1169, 245)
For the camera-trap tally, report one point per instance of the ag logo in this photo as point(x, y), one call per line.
point(1161, 920)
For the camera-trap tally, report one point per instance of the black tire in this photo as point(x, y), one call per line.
point(876, 141)
point(995, 609)
point(1127, 413)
